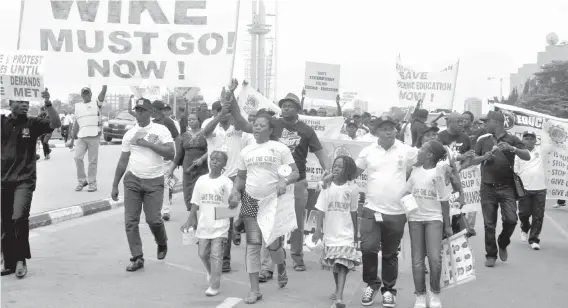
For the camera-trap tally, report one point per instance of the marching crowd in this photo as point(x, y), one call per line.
point(228, 160)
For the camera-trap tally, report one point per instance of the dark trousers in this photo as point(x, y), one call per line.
point(44, 139)
point(386, 236)
point(147, 194)
point(532, 204)
point(65, 132)
point(493, 196)
point(16, 204)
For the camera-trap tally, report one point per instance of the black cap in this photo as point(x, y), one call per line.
point(430, 127)
point(495, 116)
point(167, 107)
point(292, 98)
point(86, 89)
point(527, 133)
point(350, 122)
point(143, 103)
point(385, 119)
point(159, 105)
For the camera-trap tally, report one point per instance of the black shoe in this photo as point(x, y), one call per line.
point(503, 255)
point(490, 262)
point(264, 276)
point(166, 216)
point(226, 268)
point(8, 271)
point(21, 269)
point(136, 263)
point(162, 251)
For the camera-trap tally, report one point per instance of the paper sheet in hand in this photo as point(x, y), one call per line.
point(276, 216)
point(225, 212)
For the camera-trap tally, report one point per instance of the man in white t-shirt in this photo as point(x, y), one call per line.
point(66, 122)
point(534, 180)
point(144, 149)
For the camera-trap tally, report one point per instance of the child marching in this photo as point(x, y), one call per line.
point(337, 224)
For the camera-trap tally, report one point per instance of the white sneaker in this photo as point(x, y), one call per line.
point(524, 236)
point(211, 292)
point(535, 246)
point(420, 301)
point(557, 205)
point(434, 300)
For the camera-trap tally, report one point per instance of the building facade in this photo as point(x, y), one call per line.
point(474, 105)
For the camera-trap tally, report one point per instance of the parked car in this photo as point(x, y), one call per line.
point(117, 127)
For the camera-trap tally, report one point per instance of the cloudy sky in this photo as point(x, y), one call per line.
point(492, 38)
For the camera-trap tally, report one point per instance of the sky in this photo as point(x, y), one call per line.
point(491, 38)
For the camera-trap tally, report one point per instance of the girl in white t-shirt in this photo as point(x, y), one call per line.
point(338, 204)
point(211, 191)
point(428, 223)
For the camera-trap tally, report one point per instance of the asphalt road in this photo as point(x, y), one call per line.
point(81, 263)
point(57, 178)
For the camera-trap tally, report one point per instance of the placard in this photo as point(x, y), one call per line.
point(121, 43)
point(471, 185)
point(322, 81)
point(276, 216)
point(21, 75)
point(458, 261)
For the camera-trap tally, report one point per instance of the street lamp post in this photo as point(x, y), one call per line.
point(500, 84)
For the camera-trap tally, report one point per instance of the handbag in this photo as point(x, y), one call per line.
point(519, 186)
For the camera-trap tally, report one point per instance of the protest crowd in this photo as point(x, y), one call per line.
point(247, 162)
point(281, 179)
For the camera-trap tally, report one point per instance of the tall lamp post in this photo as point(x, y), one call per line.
point(500, 84)
point(258, 29)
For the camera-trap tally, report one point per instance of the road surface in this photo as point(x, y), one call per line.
point(57, 179)
point(81, 263)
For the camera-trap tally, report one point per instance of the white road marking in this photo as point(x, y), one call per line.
point(195, 271)
point(557, 226)
point(229, 302)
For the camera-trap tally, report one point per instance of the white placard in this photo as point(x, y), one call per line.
point(21, 75)
point(322, 80)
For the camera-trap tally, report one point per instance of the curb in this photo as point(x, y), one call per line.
point(62, 145)
point(84, 209)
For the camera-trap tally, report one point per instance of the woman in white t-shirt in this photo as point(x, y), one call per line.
point(428, 223)
point(257, 178)
point(338, 204)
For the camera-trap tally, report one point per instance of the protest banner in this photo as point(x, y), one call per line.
point(322, 81)
point(173, 43)
point(552, 135)
point(276, 216)
point(334, 148)
point(250, 99)
point(471, 184)
point(21, 75)
point(150, 92)
point(436, 89)
point(458, 261)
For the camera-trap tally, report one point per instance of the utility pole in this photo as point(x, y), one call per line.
point(259, 29)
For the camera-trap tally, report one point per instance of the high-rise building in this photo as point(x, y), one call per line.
point(552, 52)
point(474, 105)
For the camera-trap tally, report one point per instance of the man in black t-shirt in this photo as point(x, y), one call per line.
point(455, 138)
point(300, 139)
point(418, 124)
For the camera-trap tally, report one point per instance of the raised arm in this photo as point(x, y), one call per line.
point(102, 95)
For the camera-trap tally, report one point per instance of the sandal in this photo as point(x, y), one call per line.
point(282, 275)
point(264, 276)
point(333, 297)
point(253, 297)
point(300, 268)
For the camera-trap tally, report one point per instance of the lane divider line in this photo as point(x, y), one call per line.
point(557, 226)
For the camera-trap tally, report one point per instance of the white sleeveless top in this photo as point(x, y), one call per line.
point(88, 117)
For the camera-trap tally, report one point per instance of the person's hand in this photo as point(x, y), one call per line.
point(488, 156)
point(143, 143)
point(326, 179)
point(136, 137)
point(461, 199)
point(469, 154)
point(234, 200)
point(318, 235)
point(187, 225)
point(504, 146)
point(114, 193)
point(69, 143)
point(281, 187)
point(234, 85)
point(448, 231)
point(45, 95)
point(303, 92)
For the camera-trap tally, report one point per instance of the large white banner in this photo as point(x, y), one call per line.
point(250, 99)
point(322, 81)
point(552, 135)
point(436, 89)
point(21, 75)
point(165, 42)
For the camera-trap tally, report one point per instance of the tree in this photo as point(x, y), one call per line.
point(548, 90)
point(526, 88)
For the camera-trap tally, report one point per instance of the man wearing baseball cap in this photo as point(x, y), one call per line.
point(144, 149)
point(19, 140)
point(496, 153)
point(87, 130)
point(300, 139)
point(532, 204)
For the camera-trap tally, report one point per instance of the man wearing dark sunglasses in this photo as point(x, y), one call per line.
point(87, 130)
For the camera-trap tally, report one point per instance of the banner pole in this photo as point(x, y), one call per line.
point(22, 5)
point(235, 42)
point(455, 84)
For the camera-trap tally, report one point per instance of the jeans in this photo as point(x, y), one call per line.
point(297, 236)
point(147, 194)
point(386, 236)
point(16, 204)
point(493, 195)
point(44, 139)
point(211, 253)
point(65, 132)
point(532, 204)
point(168, 188)
point(86, 145)
point(254, 243)
point(426, 239)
